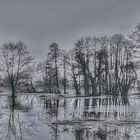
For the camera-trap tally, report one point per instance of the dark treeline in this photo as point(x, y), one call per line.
point(96, 65)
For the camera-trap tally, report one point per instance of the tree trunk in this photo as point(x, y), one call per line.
point(56, 69)
point(65, 85)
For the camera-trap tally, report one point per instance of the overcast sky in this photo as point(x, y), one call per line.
point(40, 22)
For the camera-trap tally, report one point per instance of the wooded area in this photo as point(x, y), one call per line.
point(107, 65)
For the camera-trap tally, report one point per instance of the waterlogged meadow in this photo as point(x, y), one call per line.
point(41, 117)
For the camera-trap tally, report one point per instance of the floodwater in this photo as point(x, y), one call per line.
point(36, 117)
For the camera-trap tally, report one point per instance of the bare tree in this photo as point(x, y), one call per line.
point(17, 63)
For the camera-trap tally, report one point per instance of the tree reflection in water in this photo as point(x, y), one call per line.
point(84, 117)
point(15, 127)
point(98, 118)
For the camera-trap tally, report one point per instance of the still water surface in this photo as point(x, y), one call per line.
point(37, 117)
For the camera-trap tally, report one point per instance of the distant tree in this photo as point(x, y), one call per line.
point(65, 66)
point(122, 68)
point(17, 64)
point(50, 77)
point(134, 36)
point(53, 56)
point(29, 84)
point(73, 72)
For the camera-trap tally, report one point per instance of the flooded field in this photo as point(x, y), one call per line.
point(36, 117)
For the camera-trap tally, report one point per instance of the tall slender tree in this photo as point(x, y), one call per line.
point(53, 55)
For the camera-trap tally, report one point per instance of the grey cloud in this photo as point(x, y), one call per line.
point(39, 22)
